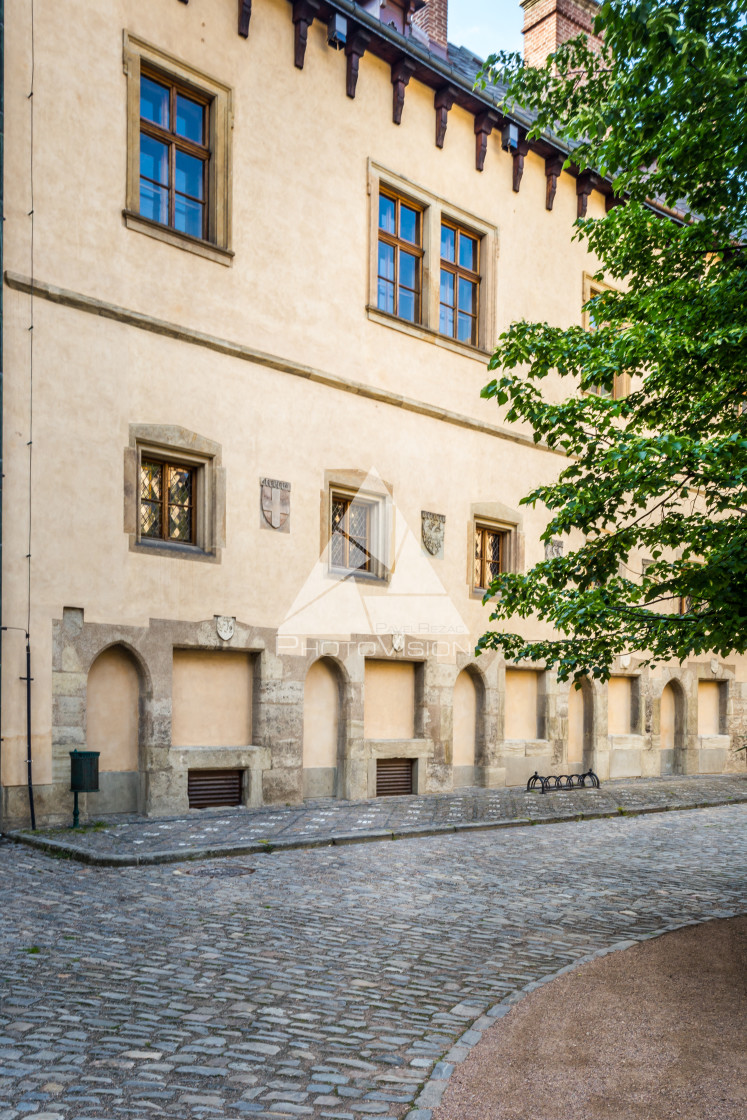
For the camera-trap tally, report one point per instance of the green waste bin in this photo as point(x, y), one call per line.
point(84, 777)
point(84, 771)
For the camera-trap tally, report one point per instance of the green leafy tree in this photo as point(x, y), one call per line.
point(661, 111)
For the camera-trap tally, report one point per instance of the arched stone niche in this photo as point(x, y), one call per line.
point(322, 728)
point(113, 718)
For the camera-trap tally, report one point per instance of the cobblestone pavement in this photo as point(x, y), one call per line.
point(204, 833)
point(324, 982)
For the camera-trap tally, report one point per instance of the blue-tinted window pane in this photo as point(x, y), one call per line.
point(190, 119)
point(154, 102)
point(408, 224)
point(446, 321)
point(386, 214)
point(154, 160)
point(465, 326)
point(447, 286)
point(386, 261)
point(467, 292)
point(407, 270)
point(447, 243)
point(188, 216)
point(154, 202)
point(386, 296)
point(407, 305)
point(189, 176)
point(467, 252)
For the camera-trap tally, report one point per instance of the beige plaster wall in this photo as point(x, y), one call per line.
point(667, 718)
point(321, 707)
point(211, 699)
point(389, 700)
point(94, 376)
point(576, 704)
point(521, 704)
point(709, 722)
point(619, 698)
point(112, 699)
point(464, 720)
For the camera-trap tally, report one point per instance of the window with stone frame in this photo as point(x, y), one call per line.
point(178, 152)
point(400, 257)
point(490, 555)
point(167, 506)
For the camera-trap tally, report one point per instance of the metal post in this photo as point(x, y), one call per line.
point(76, 814)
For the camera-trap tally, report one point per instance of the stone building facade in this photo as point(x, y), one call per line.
point(268, 252)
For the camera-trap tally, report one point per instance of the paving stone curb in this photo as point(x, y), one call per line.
point(435, 1085)
point(64, 849)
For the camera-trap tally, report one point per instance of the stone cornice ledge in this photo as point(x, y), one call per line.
point(68, 298)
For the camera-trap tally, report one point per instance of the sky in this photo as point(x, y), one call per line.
point(486, 25)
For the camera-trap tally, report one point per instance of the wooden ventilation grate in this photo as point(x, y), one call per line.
point(206, 788)
point(393, 776)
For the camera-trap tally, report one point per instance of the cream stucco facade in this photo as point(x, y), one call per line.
point(262, 354)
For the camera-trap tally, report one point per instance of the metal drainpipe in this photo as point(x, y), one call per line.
point(2, 475)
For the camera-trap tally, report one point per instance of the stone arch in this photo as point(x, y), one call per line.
point(114, 726)
point(672, 727)
point(324, 731)
point(468, 718)
point(580, 744)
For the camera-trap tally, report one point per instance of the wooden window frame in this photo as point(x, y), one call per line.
point(481, 530)
point(165, 466)
point(400, 245)
point(143, 58)
point(459, 272)
point(621, 385)
point(175, 142)
point(177, 447)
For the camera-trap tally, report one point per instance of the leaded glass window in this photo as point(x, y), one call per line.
point(174, 155)
point(489, 555)
point(166, 501)
point(400, 256)
point(460, 284)
point(350, 544)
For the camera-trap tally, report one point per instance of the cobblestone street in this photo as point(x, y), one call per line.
point(320, 983)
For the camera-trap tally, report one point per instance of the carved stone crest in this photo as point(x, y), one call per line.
point(225, 626)
point(398, 642)
point(553, 549)
point(433, 529)
point(275, 503)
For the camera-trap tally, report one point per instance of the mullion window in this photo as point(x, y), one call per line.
point(400, 255)
point(185, 157)
point(460, 284)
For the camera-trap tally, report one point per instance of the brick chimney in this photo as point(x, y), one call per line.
point(433, 19)
point(548, 23)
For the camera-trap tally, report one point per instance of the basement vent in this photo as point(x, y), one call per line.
point(393, 776)
point(206, 788)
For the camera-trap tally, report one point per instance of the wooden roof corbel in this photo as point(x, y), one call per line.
point(443, 101)
point(553, 168)
point(484, 125)
point(402, 71)
point(304, 12)
point(355, 48)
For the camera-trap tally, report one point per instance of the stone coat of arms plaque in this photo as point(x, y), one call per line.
point(433, 529)
point(274, 504)
point(225, 626)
